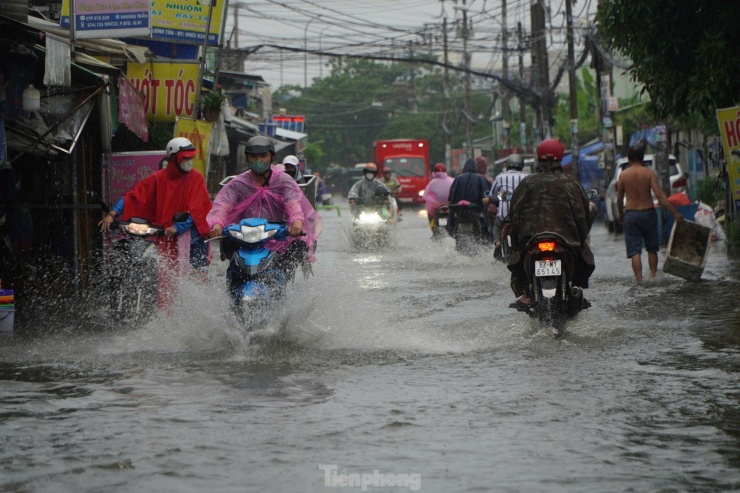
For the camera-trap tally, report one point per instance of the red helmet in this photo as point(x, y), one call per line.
point(550, 150)
point(440, 167)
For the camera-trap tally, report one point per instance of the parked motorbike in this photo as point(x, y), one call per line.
point(257, 276)
point(133, 269)
point(371, 225)
point(439, 222)
point(467, 228)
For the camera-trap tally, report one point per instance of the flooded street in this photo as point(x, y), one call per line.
point(400, 370)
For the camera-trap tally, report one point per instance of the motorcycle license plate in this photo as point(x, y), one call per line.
point(443, 221)
point(544, 268)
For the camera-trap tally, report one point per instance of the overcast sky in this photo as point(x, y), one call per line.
point(377, 27)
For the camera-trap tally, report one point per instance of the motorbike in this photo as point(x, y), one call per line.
point(549, 264)
point(371, 225)
point(439, 221)
point(468, 228)
point(257, 276)
point(133, 269)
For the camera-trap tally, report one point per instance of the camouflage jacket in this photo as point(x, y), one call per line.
point(553, 202)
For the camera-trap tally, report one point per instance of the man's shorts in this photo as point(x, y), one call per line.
point(641, 227)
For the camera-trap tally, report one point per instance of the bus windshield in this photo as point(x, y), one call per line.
point(402, 166)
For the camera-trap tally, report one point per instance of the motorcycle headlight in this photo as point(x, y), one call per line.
point(369, 218)
point(139, 229)
point(252, 234)
point(421, 193)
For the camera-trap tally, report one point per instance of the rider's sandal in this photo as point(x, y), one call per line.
point(520, 305)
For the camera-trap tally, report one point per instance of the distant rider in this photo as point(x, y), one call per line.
point(470, 186)
point(368, 190)
point(437, 192)
point(292, 168)
point(508, 182)
point(261, 192)
point(391, 182)
point(551, 201)
point(176, 187)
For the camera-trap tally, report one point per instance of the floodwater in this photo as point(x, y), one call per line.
point(400, 370)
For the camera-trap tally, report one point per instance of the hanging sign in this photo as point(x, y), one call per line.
point(199, 133)
point(177, 21)
point(168, 88)
point(109, 19)
point(131, 108)
point(729, 127)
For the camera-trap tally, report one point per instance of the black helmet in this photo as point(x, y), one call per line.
point(515, 161)
point(259, 144)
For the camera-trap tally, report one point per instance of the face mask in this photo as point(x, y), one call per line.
point(290, 171)
point(369, 176)
point(186, 165)
point(259, 167)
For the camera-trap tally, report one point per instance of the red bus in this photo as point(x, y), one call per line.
point(409, 160)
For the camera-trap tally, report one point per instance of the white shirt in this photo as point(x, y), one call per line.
point(508, 181)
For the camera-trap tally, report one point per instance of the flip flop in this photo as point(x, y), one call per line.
point(520, 305)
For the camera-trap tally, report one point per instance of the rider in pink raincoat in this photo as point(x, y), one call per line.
point(266, 193)
point(438, 190)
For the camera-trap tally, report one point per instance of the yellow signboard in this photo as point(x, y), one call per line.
point(729, 127)
point(179, 21)
point(168, 88)
point(199, 133)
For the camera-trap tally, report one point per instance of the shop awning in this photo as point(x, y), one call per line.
point(289, 134)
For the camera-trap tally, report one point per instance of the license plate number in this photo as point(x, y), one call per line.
point(405, 199)
point(544, 268)
point(443, 221)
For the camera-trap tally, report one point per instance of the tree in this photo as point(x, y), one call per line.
point(683, 52)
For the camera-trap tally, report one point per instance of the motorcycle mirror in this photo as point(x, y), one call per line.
point(180, 217)
point(592, 193)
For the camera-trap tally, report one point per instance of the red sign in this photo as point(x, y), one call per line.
point(285, 118)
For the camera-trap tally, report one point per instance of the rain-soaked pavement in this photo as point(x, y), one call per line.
point(400, 370)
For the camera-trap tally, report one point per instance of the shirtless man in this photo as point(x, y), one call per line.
point(638, 213)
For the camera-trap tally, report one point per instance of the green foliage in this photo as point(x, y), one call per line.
point(589, 126)
point(708, 192)
point(363, 101)
point(685, 53)
point(732, 230)
point(314, 154)
point(212, 100)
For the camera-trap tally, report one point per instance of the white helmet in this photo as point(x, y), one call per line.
point(179, 144)
point(291, 160)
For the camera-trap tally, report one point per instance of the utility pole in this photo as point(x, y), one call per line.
point(505, 110)
point(573, 89)
point(522, 109)
point(539, 60)
point(412, 75)
point(446, 117)
point(468, 103)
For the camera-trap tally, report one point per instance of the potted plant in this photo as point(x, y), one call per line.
point(211, 103)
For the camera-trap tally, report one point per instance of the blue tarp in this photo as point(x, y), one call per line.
point(589, 173)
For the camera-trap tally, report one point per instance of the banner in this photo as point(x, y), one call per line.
point(129, 168)
point(184, 21)
point(199, 133)
point(168, 88)
point(131, 108)
point(176, 21)
point(729, 127)
point(110, 19)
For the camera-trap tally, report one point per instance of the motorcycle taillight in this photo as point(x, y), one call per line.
point(546, 246)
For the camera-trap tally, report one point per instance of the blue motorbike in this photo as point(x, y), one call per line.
point(257, 276)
